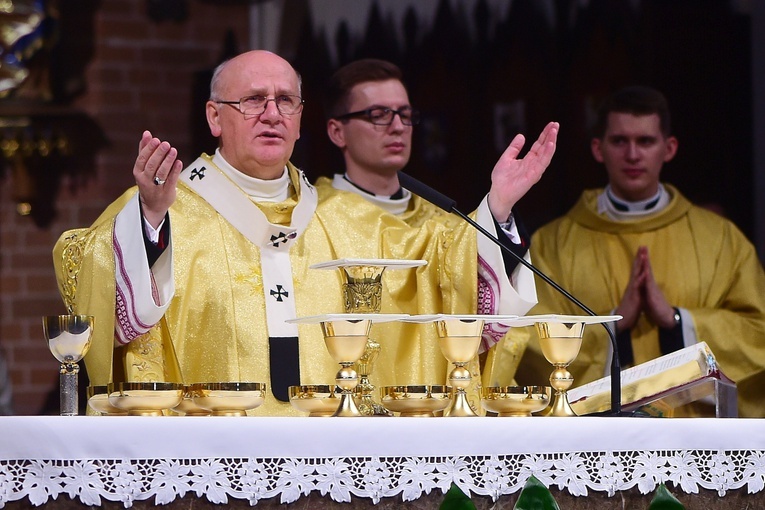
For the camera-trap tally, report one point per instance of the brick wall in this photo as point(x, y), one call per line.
point(139, 78)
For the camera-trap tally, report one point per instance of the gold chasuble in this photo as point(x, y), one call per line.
point(216, 329)
point(418, 212)
point(701, 262)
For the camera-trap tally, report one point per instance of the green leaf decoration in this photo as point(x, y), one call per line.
point(664, 500)
point(535, 496)
point(455, 499)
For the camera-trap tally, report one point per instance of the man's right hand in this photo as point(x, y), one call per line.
point(156, 159)
point(631, 305)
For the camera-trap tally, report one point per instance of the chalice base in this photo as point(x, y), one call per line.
point(229, 412)
point(560, 406)
point(347, 406)
point(460, 406)
point(145, 412)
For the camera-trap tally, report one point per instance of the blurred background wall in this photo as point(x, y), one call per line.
point(80, 81)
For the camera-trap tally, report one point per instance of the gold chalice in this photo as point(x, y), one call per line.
point(345, 335)
point(459, 337)
point(315, 399)
point(68, 338)
point(515, 400)
point(346, 341)
point(362, 293)
point(416, 400)
point(560, 337)
point(560, 343)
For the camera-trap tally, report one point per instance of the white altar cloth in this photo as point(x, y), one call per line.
point(137, 458)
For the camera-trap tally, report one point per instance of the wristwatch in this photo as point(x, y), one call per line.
point(676, 316)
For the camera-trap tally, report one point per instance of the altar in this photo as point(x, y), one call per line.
point(373, 462)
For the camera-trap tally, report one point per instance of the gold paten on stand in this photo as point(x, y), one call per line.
point(560, 343)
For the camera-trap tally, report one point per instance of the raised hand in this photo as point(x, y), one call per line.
point(156, 172)
point(511, 177)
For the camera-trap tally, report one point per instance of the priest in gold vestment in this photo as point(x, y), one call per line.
point(371, 121)
point(192, 274)
point(676, 272)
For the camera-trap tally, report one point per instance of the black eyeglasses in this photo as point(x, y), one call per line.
point(382, 116)
point(255, 105)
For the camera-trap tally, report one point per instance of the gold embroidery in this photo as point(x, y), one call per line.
point(254, 278)
point(144, 359)
point(71, 263)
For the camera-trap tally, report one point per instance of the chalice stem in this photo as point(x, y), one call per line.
point(68, 390)
point(460, 378)
point(561, 380)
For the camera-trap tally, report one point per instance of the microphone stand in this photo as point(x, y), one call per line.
point(449, 205)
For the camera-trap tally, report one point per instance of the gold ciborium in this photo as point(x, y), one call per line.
point(228, 398)
point(560, 338)
point(315, 399)
point(145, 398)
point(98, 400)
point(68, 338)
point(515, 400)
point(416, 400)
point(362, 293)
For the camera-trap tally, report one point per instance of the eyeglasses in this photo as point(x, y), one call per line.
point(381, 116)
point(255, 105)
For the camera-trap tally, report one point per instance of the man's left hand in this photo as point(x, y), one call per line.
point(656, 306)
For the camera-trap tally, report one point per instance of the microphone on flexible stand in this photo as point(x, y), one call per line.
point(449, 205)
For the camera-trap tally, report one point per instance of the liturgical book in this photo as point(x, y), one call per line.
point(658, 386)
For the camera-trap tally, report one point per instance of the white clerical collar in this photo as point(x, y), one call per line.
point(275, 190)
point(392, 205)
point(619, 209)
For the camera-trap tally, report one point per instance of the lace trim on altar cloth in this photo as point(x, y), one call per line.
point(375, 478)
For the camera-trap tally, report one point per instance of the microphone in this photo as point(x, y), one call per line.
point(449, 205)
